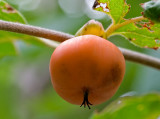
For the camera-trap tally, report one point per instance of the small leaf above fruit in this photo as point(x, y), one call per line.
point(116, 9)
point(141, 31)
point(143, 34)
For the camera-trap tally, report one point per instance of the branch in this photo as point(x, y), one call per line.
point(59, 36)
point(141, 58)
point(34, 31)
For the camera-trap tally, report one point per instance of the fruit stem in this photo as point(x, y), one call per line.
point(85, 100)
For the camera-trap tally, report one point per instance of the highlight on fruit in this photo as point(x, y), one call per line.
point(87, 70)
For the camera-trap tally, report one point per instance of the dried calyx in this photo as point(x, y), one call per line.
point(85, 100)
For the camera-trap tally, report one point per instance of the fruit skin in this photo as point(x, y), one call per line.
point(87, 63)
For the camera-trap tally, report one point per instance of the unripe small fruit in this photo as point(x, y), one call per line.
point(87, 70)
point(91, 27)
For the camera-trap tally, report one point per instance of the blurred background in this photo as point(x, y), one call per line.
point(25, 87)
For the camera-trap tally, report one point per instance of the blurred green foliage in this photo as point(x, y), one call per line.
point(142, 107)
point(8, 40)
point(25, 88)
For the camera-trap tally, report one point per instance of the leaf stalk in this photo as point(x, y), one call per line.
point(114, 27)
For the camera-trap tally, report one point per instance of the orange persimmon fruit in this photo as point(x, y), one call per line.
point(87, 70)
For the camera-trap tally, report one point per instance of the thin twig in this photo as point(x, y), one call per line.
point(59, 36)
point(34, 31)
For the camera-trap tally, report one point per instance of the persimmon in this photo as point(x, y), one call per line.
point(87, 70)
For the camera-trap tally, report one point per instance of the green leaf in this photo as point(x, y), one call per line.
point(143, 34)
point(151, 10)
point(137, 107)
point(8, 13)
point(7, 48)
point(117, 9)
point(8, 39)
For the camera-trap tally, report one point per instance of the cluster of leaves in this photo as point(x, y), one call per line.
point(8, 40)
point(143, 33)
